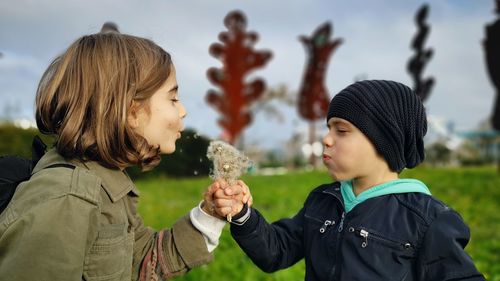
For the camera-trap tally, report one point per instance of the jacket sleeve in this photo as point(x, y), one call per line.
point(442, 255)
point(169, 252)
point(34, 247)
point(271, 246)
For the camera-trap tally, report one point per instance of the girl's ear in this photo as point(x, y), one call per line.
point(133, 116)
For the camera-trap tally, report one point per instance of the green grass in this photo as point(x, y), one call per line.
point(473, 192)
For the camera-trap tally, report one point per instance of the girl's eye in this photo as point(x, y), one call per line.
point(174, 100)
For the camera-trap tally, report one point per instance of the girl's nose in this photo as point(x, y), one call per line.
point(182, 110)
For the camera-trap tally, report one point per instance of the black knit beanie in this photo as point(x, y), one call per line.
point(390, 115)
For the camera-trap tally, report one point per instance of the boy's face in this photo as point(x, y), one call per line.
point(348, 153)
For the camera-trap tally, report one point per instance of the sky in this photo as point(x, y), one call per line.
point(376, 45)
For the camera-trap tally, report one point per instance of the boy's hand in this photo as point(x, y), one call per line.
point(223, 199)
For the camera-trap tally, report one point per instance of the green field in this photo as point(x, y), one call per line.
point(473, 192)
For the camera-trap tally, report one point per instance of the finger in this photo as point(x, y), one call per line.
point(242, 184)
point(245, 191)
point(223, 211)
point(213, 187)
point(221, 203)
point(235, 189)
point(220, 194)
point(229, 191)
point(222, 183)
point(237, 207)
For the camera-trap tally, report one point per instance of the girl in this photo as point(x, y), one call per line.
point(111, 101)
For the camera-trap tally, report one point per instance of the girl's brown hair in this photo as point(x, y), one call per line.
point(86, 95)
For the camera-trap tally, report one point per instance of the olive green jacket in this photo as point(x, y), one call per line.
point(82, 224)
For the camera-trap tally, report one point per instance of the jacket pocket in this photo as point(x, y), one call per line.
point(381, 255)
point(315, 224)
point(368, 236)
point(108, 258)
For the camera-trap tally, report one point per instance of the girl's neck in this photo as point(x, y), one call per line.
point(364, 183)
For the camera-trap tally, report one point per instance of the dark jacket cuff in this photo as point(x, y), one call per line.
point(247, 227)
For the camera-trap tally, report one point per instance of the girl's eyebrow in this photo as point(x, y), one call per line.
point(174, 89)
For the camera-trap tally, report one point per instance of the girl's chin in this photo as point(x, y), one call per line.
point(167, 149)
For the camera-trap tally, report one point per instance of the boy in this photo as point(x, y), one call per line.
point(368, 224)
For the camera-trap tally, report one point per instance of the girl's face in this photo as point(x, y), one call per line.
point(348, 153)
point(162, 124)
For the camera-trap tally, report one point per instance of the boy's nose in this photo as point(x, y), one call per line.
point(327, 140)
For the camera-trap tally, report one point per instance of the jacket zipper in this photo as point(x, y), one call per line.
point(363, 233)
point(341, 224)
point(339, 234)
point(325, 225)
point(337, 250)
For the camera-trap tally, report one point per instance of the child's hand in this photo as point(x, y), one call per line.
point(208, 204)
point(224, 199)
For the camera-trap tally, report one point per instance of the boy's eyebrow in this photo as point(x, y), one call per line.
point(337, 122)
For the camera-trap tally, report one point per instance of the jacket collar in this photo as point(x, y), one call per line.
point(334, 190)
point(115, 182)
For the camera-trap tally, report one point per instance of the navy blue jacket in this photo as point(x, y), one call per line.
point(407, 236)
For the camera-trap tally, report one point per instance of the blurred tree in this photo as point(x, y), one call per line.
point(438, 154)
point(313, 97)
point(492, 54)
point(238, 58)
point(17, 141)
point(419, 60)
point(188, 160)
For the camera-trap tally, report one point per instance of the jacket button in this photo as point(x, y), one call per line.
point(351, 229)
point(407, 246)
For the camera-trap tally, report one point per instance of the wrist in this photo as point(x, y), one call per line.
point(209, 209)
point(242, 217)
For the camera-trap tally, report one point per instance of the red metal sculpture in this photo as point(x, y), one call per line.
point(313, 97)
point(238, 58)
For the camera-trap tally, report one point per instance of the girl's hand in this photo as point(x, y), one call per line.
point(208, 204)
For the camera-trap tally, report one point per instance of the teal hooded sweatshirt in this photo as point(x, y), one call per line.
point(390, 187)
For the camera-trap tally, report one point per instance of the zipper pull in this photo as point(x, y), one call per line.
point(325, 225)
point(364, 233)
point(341, 224)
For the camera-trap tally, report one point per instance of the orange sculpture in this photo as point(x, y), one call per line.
point(238, 58)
